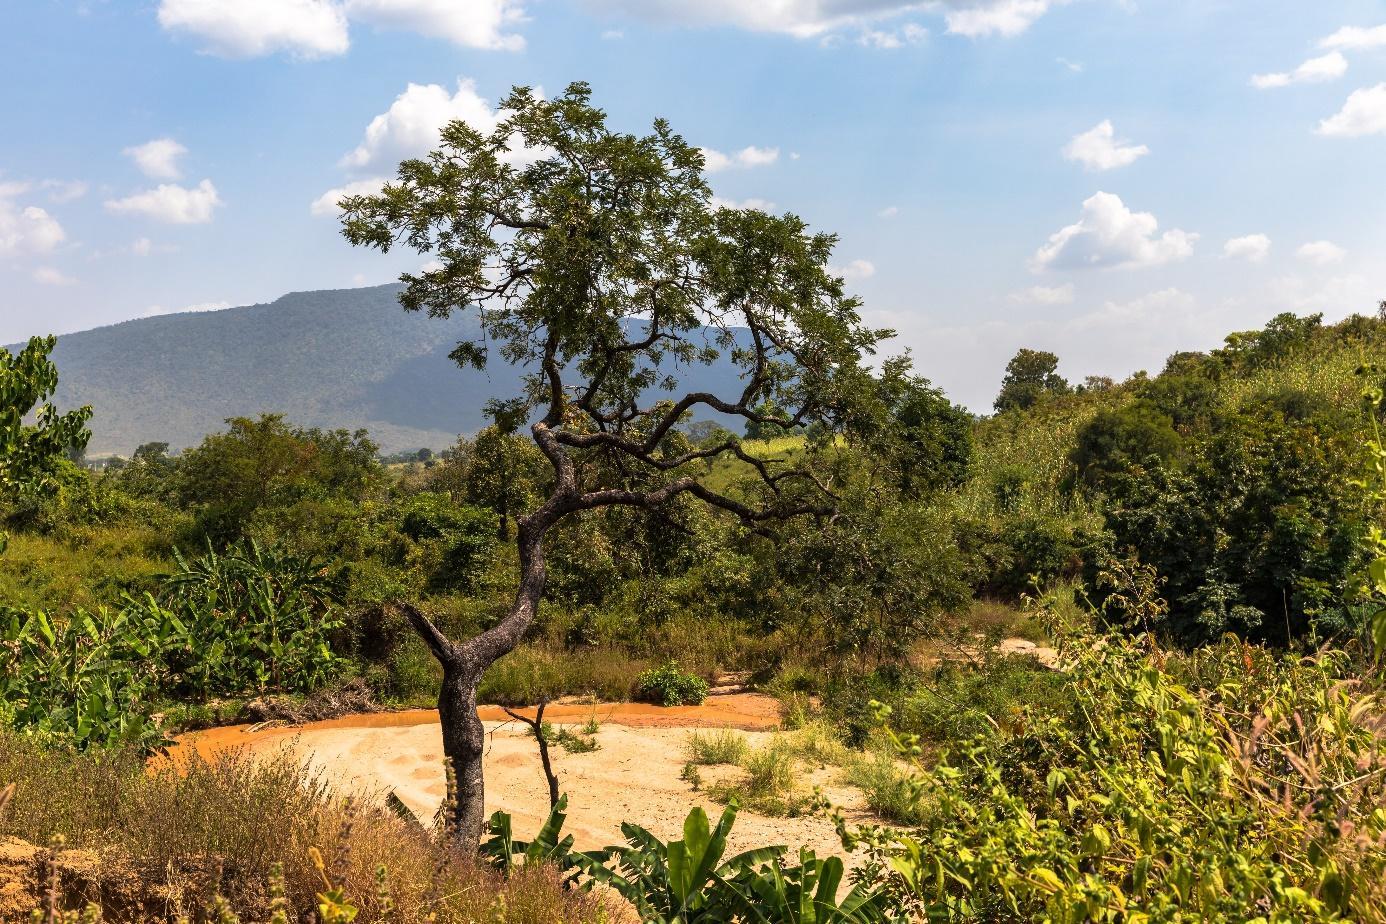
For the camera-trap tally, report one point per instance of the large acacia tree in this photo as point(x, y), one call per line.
point(598, 262)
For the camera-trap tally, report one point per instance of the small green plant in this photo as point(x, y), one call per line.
point(817, 742)
point(1224, 785)
point(684, 881)
point(723, 746)
point(1371, 580)
point(769, 786)
point(687, 882)
point(671, 685)
point(891, 789)
point(575, 743)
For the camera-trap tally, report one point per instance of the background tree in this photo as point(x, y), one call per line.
point(265, 469)
point(30, 452)
point(601, 266)
point(1115, 441)
point(924, 438)
point(1030, 375)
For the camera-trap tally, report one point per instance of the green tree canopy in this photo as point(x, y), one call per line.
point(1030, 375)
point(266, 463)
point(34, 437)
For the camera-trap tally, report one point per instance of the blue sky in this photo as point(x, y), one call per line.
point(1110, 180)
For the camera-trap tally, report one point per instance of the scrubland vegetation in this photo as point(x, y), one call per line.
point(1203, 546)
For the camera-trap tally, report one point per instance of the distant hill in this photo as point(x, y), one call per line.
point(337, 358)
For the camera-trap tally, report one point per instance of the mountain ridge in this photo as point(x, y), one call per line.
point(330, 358)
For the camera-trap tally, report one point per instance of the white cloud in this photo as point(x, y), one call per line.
point(410, 127)
point(747, 157)
point(1109, 235)
point(1005, 18)
point(1316, 70)
point(1252, 248)
point(470, 23)
point(1045, 295)
point(326, 204)
point(829, 18)
point(1339, 295)
point(856, 269)
point(890, 211)
point(61, 191)
point(1099, 149)
point(1075, 67)
point(1321, 253)
point(157, 159)
point(26, 230)
point(1156, 307)
point(171, 203)
point(1356, 38)
point(144, 247)
point(48, 276)
point(1364, 113)
point(908, 34)
point(613, 35)
point(248, 28)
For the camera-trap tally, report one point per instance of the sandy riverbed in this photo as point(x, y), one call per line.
point(634, 775)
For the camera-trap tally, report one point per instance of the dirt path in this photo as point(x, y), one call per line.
point(633, 776)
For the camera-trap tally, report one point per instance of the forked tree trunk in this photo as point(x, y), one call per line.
point(464, 663)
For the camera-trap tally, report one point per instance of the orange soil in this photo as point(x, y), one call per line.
point(745, 711)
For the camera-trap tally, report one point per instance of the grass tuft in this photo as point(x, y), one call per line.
point(719, 747)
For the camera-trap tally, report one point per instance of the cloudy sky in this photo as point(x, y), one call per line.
point(1110, 180)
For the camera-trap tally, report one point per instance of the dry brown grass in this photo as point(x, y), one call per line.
point(183, 828)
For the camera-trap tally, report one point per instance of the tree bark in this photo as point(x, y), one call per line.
point(464, 663)
point(464, 746)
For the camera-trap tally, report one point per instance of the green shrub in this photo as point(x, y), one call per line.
point(817, 742)
point(670, 685)
point(1226, 786)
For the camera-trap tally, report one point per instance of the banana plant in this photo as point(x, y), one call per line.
point(504, 852)
point(804, 894)
point(86, 679)
point(683, 882)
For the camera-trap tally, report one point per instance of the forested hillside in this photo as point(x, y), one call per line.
point(342, 358)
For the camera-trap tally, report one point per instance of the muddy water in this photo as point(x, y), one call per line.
point(744, 711)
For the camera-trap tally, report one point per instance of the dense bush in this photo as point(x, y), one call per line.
point(1116, 441)
point(1260, 530)
point(242, 623)
point(1231, 785)
point(670, 685)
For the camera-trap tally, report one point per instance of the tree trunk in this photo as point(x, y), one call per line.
point(464, 744)
point(464, 663)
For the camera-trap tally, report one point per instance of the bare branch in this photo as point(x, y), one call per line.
point(443, 649)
